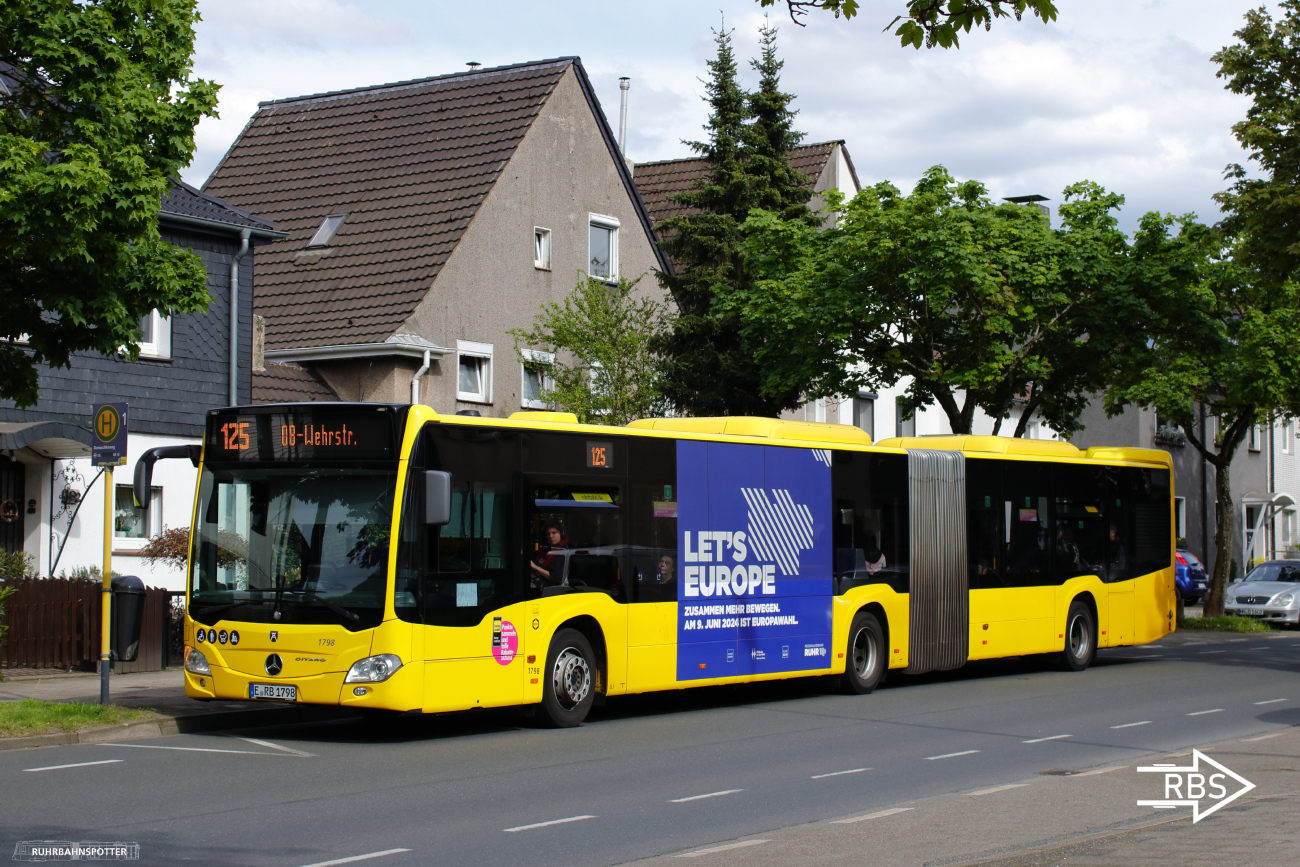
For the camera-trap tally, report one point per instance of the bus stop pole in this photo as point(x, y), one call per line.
point(106, 612)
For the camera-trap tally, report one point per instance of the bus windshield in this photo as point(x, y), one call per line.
point(292, 545)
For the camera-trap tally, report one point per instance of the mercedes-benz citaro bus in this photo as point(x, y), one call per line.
point(391, 558)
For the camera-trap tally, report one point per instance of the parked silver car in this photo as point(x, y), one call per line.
point(1270, 592)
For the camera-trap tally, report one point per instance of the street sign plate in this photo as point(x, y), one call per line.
point(108, 426)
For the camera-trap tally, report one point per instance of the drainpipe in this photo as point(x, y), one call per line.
point(415, 380)
point(623, 84)
point(234, 317)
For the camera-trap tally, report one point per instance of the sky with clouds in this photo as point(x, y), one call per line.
point(1120, 92)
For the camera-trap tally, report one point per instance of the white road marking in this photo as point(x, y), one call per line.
point(951, 755)
point(289, 750)
point(1052, 738)
point(1097, 771)
point(1203, 652)
point(546, 824)
point(1266, 737)
point(356, 858)
point(1204, 712)
point(1271, 701)
point(1145, 722)
point(996, 789)
point(723, 848)
point(1236, 640)
point(77, 765)
point(892, 811)
point(839, 773)
point(702, 797)
point(192, 749)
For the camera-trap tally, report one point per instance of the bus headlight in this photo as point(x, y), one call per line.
point(373, 669)
point(196, 662)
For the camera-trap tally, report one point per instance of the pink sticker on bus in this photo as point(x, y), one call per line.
point(505, 644)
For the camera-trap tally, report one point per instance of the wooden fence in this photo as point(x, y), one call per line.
point(54, 623)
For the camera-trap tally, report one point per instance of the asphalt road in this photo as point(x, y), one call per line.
point(645, 775)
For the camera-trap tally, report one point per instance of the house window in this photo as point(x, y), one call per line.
point(904, 425)
point(474, 371)
point(864, 414)
point(132, 523)
point(155, 335)
point(541, 248)
point(1288, 527)
point(327, 229)
point(1252, 438)
point(1287, 435)
point(536, 370)
point(602, 248)
point(1180, 517)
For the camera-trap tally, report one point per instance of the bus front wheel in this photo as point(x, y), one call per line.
point(865, 656)
point(1080, 637)
point(570, 679)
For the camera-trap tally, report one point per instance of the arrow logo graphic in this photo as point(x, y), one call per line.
point(1193, 779)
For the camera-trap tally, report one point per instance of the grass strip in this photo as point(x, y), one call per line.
point(1227, 623)
point(33, 717)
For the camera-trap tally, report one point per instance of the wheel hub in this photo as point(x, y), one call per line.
point(572, 678)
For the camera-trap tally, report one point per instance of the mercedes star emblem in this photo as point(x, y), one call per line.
point(274, 664)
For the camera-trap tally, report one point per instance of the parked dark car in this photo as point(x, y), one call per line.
point(1189, 577)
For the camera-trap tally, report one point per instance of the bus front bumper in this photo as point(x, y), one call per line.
point(399, 692)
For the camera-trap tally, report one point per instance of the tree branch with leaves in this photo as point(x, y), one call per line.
point(932, 22)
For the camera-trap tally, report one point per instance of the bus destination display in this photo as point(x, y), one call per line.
point(301, 436)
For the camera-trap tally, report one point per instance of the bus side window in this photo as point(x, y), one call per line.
point(984, 521)
point(1117, 492)
point(1151, 530)
point(650, 561)
point(1026, 494)
point(1080, 535)
point(889, 520)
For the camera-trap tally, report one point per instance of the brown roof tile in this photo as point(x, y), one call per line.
point(409, 163)
point(282, 383)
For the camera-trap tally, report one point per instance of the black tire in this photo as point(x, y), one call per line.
point(570, 680)
point(864, 655)
point(1080, 637)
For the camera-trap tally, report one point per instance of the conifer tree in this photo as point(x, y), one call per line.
point(708, 368)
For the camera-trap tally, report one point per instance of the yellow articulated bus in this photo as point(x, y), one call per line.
point(389, 558)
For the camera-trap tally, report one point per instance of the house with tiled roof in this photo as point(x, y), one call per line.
point(51, 503)
point(425, 220)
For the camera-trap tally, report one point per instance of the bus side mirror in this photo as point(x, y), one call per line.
point(437, 497)
point(143, 479)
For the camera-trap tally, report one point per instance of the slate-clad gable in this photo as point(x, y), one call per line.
point(408, 163)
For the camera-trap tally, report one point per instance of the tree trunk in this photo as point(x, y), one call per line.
point(1223, 532)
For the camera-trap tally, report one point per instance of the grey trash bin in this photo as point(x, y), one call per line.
point(128, 617)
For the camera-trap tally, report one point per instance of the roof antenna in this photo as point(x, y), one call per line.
point(623, 84)
point(473, 65)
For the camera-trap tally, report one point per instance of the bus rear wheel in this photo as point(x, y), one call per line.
point(864, 658)
point(1080, 637)
point(569, 690)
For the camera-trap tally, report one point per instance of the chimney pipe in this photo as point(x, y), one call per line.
point(623, 84)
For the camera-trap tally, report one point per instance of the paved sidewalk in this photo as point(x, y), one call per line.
point(1087, 819)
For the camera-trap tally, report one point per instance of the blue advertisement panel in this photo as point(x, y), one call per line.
point(755, 554)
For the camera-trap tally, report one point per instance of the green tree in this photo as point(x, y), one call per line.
point(933, 22)
point(708, 369)
point(605, 371)
point(100, 115)
point(977, 302)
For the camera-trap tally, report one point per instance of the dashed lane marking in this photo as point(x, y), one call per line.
point(289, 750)
point(1145, 722)
point(1204, 712)
point(892, 811)
point(996, 789)
point(951, 755)
point(546, 824)
point(702, 797)
point(1052, 738)
point(1271, 701)
point(1097, 771)
point(77, 765)
point(725, 847)
point(839, 773)
point(356, 858)
point(1266, 737)
point(194, 749)
point(1203, 652)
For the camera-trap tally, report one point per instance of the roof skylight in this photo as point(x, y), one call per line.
point(325, 233)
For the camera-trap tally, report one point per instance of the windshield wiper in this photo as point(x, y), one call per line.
point(337, 609)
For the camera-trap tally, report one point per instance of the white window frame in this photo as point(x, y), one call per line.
point(473, 349)
point(1253, 438)
point(605, 222)
point(1287, 429)
point(535, 356)
point(1180, 517)
point(542, 248)
point(153, 516)
point(329, 227)
point(161, 345)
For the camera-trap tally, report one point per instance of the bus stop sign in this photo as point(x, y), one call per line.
point(109, 427)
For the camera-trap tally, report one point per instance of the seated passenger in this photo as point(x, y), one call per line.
point(548, 568)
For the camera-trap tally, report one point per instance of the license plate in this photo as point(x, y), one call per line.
point(279, 691)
